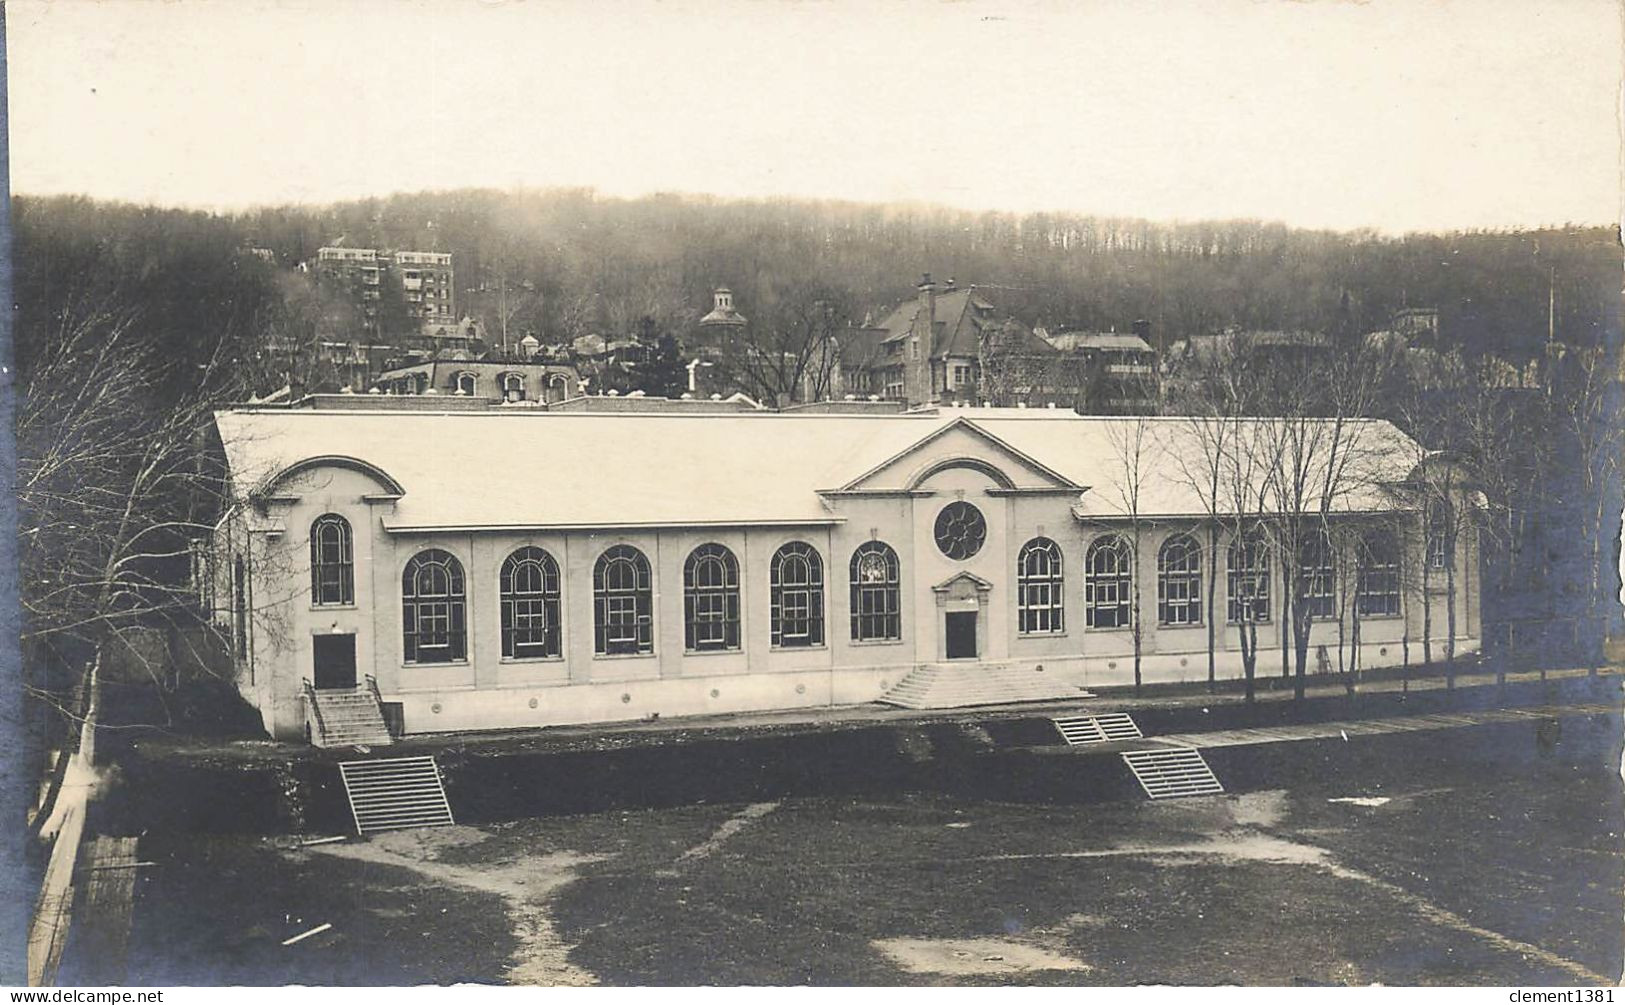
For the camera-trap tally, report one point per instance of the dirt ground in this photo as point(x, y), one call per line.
point(1412, 863)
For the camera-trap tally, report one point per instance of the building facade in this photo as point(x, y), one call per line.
point(424, 280)
point(507, 568)
point(510, 381)
point(427, 282)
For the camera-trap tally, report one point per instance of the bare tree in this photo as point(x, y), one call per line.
point(1246, 489)
point(1201, 449)
point(1013, 366)
point(1322, 454)
point(1131, 442)
point(1588, 410)
point(114, 486)
point(790, 350)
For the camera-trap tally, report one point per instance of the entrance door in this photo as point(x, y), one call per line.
point(961, 630)
point(335, 661)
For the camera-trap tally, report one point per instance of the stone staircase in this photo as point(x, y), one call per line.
point(347, 718)
point(959, 685)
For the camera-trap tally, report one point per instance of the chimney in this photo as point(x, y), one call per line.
point(918, 387)
point(928, 312)
point(1142, 328)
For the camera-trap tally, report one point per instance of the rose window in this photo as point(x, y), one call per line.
point(960, 530)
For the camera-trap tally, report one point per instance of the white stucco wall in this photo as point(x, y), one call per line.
point(486, 691)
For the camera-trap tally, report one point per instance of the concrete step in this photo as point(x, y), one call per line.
point(960, 685)
point(349, 718)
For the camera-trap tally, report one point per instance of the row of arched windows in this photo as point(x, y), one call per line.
point(434, 598)
point(1109, 581)
point(433, 592)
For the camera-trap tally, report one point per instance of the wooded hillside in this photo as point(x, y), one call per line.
point(576, 263)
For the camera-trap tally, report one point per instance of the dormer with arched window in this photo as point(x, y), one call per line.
point(513, 386)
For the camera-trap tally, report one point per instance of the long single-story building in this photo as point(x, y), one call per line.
point(502, 569)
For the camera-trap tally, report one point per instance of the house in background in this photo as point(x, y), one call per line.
point(931, 348)
point(952, 345)
point(1108, 373)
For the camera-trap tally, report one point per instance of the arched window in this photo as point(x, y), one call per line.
point(876, 595)
point(711, 599)
point(558, 387)
point(1440, 535)
point(513, 387)
point(332, 565)
point(623, 604)
point(1179, 581)
point(466, 383)
point(1317, 574)
point(528, 591)
point(1377, 592)
point(797, 596)
point(1108, 583)
point(1247, 581)
point(433, 614)
point(1040, 596)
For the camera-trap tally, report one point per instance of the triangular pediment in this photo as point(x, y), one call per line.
point(960, 444)
point(963, 581)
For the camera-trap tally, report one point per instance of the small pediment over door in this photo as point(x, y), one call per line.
point(962, 586)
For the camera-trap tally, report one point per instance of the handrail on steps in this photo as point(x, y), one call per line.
point(378, 699)
point(315, 708)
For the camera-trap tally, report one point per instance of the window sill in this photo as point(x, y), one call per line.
point(333, 607)
point(531, 659)
point(1184, 624)
point(623, 656)
point(432, 666)
point(799, 649)
point(1238, 624)
point(1046, 635)
point(1117, 628)
point(855, 643)
point(1381, 617)
point(733, 651)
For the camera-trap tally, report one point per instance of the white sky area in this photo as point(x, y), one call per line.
point(1394, 114)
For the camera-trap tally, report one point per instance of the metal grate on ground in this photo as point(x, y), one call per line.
point(395, 793)
point(1172, 773)
point(1084, 729)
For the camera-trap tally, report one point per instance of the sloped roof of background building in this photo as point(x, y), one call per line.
point(466, 470)
point(1066, 341)
point(954, 317)
point(958, 326)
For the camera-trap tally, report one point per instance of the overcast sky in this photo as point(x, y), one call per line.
point(1396, 115)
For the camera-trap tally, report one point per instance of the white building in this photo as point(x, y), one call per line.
point(524, 569)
